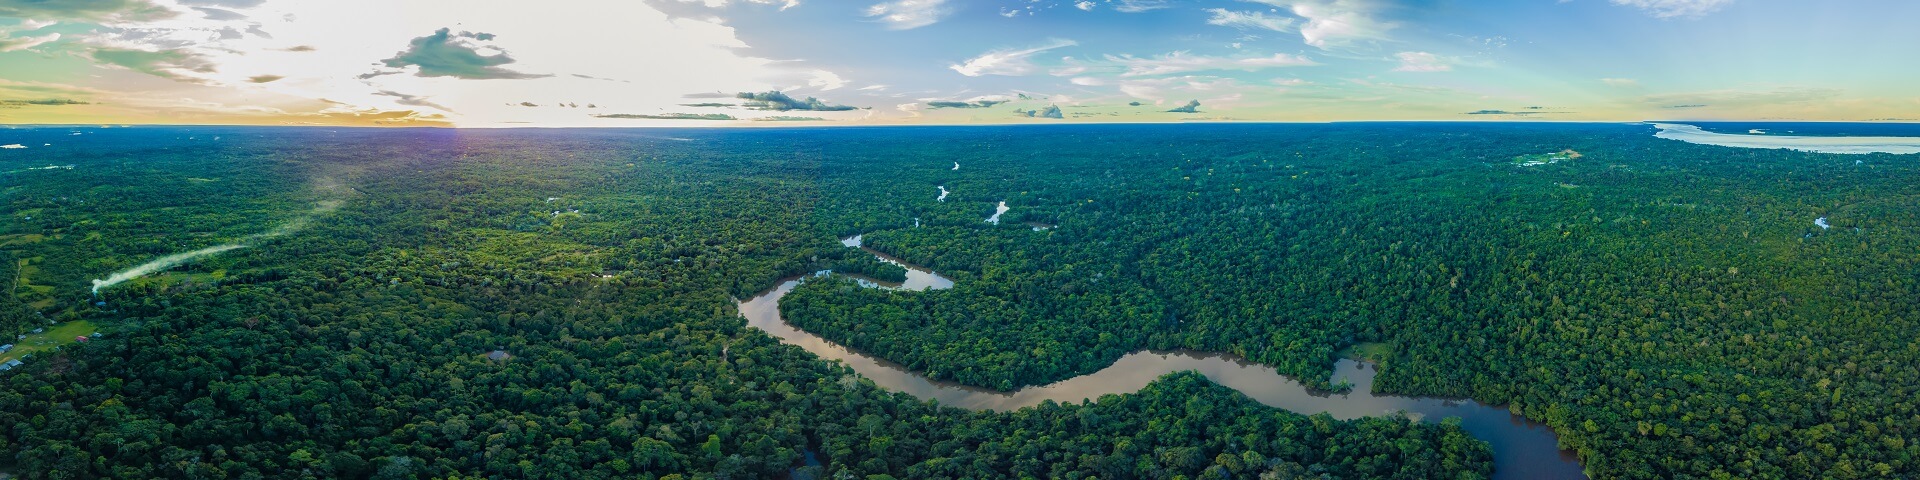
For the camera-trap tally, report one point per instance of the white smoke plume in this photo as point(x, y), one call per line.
point(175, 260)
point(160, 264)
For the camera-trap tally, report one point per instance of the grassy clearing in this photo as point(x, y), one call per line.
point(51, 337)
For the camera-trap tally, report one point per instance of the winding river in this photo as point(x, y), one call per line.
point(1522, 449)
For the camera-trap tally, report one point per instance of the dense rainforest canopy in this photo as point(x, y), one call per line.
point(1672, 310)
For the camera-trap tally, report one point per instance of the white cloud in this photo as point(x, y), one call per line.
point(784, 4)
point(1421, 62)
point(1676, 8)
point(565, 38)
point(1137, 6)
point(1085, 5)
point(1336, 23)
point(1620, 82)
point(909, 14)
point(1181, 62)
point(1087, 81)
point(1259, 20)
point(825, 80)
point(1011, 62)
point(1158, 89)
point(14, 44)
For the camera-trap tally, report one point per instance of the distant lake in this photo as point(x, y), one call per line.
point(1767, 136)
point(1810, 129)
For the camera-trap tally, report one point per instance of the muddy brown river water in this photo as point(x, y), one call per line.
point(1522, 449)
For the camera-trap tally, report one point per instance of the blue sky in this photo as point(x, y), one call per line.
point(689, 62)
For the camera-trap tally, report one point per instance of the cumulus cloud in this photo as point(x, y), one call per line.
point(1181, 62)
point(777, 101)
point(1052, 111)
point(447, 54)
point(908, 14)
point(1085, 5)
point(1250, 20)
point(1676, 8)
point(1192, 106)
point(668, 116)
point(1008, 62)
point(1421, 62)
point(107, 11)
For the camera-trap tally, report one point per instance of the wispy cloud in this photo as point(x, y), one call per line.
point(412, 100)
point(1137, 6)
point(14, 44)
point(1157, 89)
point(781, 102)
point(48, 102)
point(87, 10)
point(668, 116)
point(181, 65)
point(1676, 8)
point(784, 4)
point(1182, 62)
point(1421, 62)
point(1008, 62)
point(976, 102)
point(1620, 82)
point(908, 14)
point(1250, 20)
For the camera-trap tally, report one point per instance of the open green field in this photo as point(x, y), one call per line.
point(51, 337)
